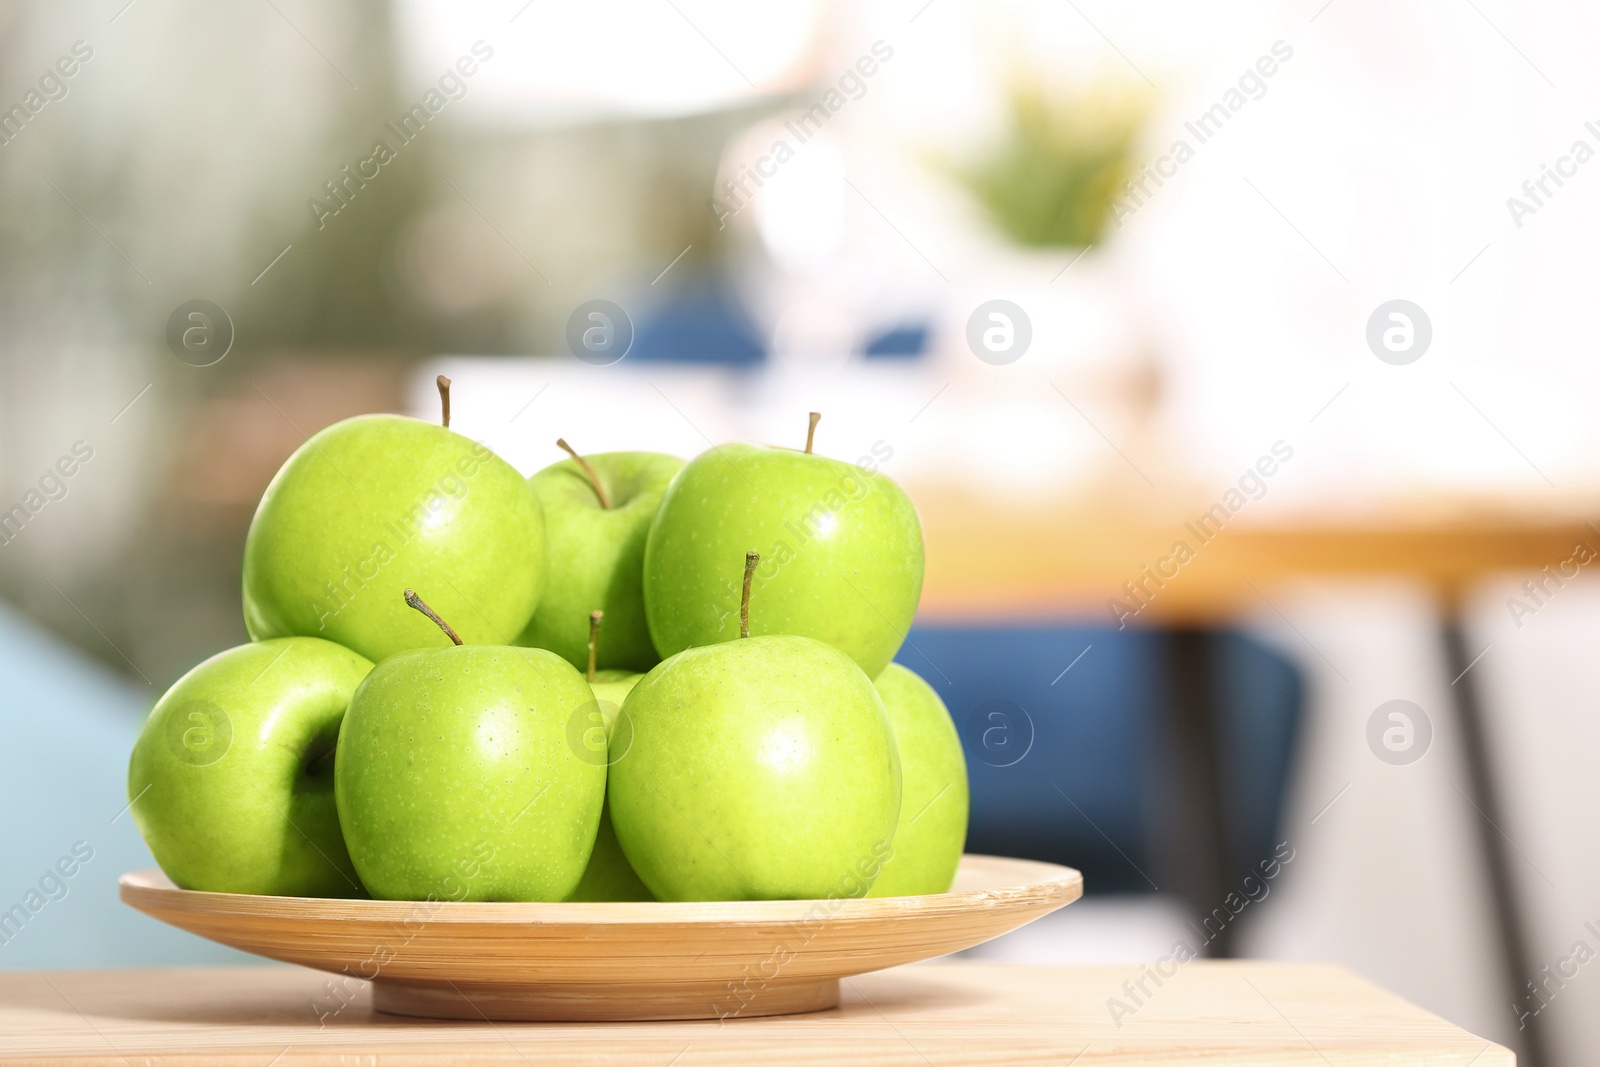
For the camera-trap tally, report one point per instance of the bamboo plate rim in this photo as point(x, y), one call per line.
point(1035, 882)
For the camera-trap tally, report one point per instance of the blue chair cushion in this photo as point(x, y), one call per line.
point(1066, 754)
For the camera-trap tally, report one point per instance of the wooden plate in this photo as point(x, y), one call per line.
point(599, 962)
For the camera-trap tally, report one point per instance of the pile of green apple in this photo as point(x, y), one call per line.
point(624, 678)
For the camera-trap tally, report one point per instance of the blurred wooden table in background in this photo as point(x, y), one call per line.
point(1067, 560)
point(1063, 559)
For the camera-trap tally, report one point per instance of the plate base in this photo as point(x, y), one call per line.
point(605, 1003)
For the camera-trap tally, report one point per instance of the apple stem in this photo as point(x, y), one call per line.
point(444, 400)
point(750, 561)
point(594, 479)
point(324, 758)
point(417, 602)
point(811, 431)
point(594, 639)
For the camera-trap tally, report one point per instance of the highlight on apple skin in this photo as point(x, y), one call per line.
point(761, 768)
point(455, 779)
point(375, 504)
point(841, 551)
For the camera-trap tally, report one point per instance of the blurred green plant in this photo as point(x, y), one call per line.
point(1064, 156)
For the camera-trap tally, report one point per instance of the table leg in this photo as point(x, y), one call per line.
point(1199, 857)
point(1517, 962)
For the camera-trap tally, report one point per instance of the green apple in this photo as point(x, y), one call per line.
point(762, 768)
point(374, 504)
point(231, 780)
point(841, 549)
point(455, 778)
point(597, 512)
point(609, 875)
point(933, 795)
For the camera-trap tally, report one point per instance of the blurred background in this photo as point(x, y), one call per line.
point(1303, 287)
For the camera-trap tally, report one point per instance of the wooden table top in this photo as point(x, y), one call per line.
point(1063, 559)
point(1234, 1012)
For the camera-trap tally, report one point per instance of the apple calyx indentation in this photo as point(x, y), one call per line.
point(421, 605)
point(316, 765)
